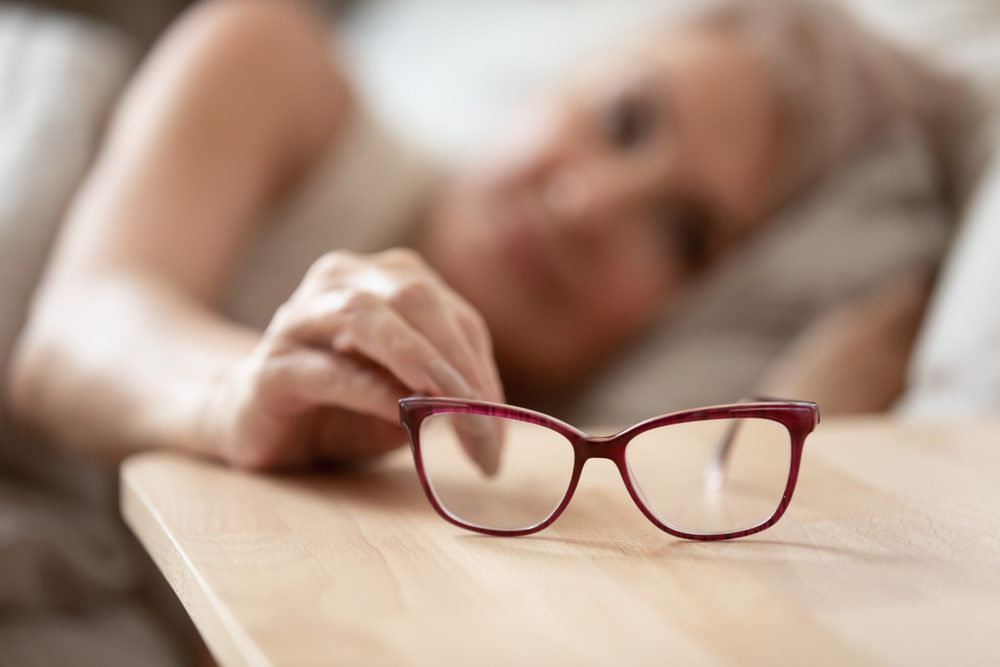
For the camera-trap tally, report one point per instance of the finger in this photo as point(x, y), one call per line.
point(321, 378)
point(393, 343)
point(437, 317)
point(441, 315)
point(367, 326)
point(482, 439)
point(478, 334)
point(416, 299)
point(486, 448)
point(347, 435)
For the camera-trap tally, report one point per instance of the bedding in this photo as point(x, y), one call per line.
point(75, 588)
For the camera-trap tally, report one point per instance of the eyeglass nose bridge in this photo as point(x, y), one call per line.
point(611, 447)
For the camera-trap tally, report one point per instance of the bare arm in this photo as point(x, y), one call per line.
point(122, 347)
point(123, 350)
point(854, 359)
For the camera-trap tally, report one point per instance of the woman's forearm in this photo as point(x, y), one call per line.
point(119, 363)
point(236, 103)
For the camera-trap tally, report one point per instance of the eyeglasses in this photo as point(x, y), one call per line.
point(708, 474)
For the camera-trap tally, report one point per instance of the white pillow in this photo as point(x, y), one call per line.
point(59, 77)
point(955, 370)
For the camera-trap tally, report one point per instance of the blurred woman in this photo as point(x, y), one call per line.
point(207, 294)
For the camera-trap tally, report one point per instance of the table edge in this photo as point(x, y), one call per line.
point(216, 626)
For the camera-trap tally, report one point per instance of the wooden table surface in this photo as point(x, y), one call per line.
point(889, 554)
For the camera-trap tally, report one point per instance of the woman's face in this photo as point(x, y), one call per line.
point(573, 236)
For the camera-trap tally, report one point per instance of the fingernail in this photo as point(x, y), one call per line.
point(490, 460)
point(449, 380)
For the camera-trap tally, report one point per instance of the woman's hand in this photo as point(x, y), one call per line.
point(358, 334)
point(854, 358)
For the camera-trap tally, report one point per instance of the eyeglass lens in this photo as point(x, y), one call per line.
point(714, 476)
point(536, 464)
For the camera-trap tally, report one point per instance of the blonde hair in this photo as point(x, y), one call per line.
point(837, 81)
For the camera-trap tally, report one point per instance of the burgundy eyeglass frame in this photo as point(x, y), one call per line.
point(798, 417)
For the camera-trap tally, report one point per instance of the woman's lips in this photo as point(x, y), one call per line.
point(525, 247)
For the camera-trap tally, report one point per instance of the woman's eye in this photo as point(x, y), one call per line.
point(625, 121)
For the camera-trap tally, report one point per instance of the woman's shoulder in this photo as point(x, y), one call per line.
point(266, 66)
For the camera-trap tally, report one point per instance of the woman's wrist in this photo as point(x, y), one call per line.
point(214, 416)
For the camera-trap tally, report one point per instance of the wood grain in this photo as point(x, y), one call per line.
point(889, 554)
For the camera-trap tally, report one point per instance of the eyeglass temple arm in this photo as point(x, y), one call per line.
point(715, 470)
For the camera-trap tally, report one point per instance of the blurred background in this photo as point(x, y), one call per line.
point(403, 51)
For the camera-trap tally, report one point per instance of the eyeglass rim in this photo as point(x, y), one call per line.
point(798, 417)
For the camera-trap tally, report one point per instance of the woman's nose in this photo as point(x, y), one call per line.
point(567, 195)
point(585, 205)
